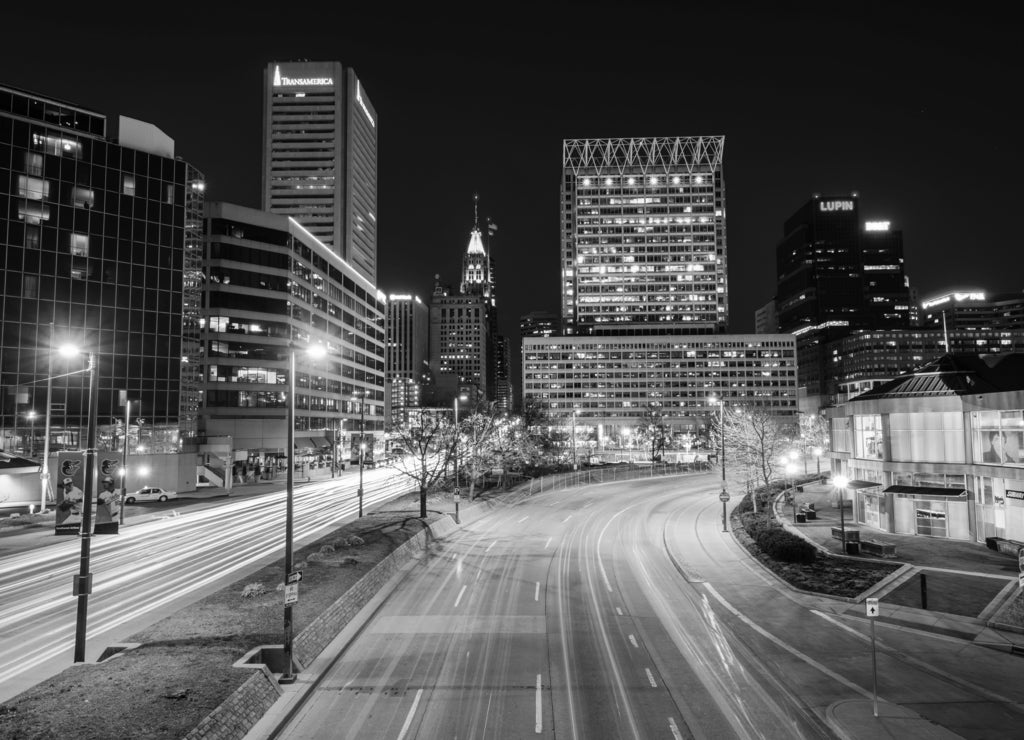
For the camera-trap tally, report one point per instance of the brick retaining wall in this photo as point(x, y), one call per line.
point(243, 709)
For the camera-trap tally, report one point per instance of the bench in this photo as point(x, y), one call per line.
point(852, 535)
point(879, 549)
point(808, 511)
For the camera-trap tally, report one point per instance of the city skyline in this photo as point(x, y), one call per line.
point(879, 103)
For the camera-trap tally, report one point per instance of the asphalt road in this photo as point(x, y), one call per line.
point(624, 611)
point(176, 553)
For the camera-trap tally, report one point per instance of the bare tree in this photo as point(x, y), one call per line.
point(754, 439)
point(429, 439)
point(652, 431)
point(814, 435)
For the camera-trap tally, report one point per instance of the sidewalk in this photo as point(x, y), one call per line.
point(964, 583)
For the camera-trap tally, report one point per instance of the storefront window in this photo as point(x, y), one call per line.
point(998, 437)
point(868, 437)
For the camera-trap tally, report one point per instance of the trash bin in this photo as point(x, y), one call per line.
point(853, 548)
point(799, 489)
point(801, 518)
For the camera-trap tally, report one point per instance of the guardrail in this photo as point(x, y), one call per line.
point(606, 474)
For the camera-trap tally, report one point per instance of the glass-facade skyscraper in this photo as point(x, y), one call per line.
point(320, 157)
point(98, 227)
point(643, 236)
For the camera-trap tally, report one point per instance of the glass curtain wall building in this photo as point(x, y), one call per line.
point(272, 286)
point(320, 157)
point(643, 236)
point(98, 251)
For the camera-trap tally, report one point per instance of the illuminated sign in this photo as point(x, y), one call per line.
point(876, 226)
point(965, 296)
point(280, 81)
point(827, 206)
point(359, 99)
point(1017, 495)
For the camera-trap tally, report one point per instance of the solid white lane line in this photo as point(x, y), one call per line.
point(548, 543)
point(618, 611)
point(412, 713)
point(785, 646)
point(676, 734)
point(633, 642)
point(461, 591)
point(490, 546)
point(538, 724)
point(650, 677)
point(536, 592)
point(567, 519)
point(520, 521)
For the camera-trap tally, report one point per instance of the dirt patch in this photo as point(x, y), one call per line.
point(182, 670)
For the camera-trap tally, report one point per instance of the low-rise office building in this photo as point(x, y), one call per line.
point(938, 451)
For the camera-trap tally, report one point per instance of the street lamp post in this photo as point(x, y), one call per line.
point(791, 475)
point(32, 433)
point(288, 676)
point(817, 458)
point(124, 457)
point(456, 494)
point(841, 482)
point(724, 496)
point(83, 581)
point(574, 440)
point(362, 444)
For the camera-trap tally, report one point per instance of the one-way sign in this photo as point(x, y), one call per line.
point(294, 577)
point(871, 605)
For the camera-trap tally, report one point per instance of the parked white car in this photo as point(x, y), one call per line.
point(150, 493)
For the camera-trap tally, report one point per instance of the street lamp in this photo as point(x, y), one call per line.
point(574, 439)
point(124, 457)
point(82, 586)
point(791, 474)
point(841, 482)
point(817, 457)
point(314, 350)
point(724, 495)
point(32, 433)
point(455, 407)
point(361, 396)
point(66, 351)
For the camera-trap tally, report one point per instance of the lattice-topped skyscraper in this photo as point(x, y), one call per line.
point(643, 236)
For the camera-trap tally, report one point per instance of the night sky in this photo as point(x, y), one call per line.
point(915, 109)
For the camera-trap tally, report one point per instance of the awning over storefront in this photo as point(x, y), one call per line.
point(863, 484)
point(303, 442)
point(321, 442)
point(928, 491)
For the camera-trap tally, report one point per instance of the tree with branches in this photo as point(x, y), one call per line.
point(652, 430)
point(429, 439)
point(754, 439)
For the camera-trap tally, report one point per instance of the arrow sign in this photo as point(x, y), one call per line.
point(294, 577)
point(871, 606)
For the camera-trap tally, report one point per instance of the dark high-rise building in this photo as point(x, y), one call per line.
point(408, 353)
point(643, 236)
point(971, 309)
point(836, 275)
point(320, 156)
point(101, 237)
point(538, 324)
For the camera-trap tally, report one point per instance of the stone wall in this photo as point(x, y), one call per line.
point(243, 709)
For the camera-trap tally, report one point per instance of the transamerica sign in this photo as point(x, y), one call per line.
point(281, 81)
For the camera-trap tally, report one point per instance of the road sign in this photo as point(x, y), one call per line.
point(294, 577)
point(457, 494)
point(871, 606)
point(1020, 564)
point(291, 593)
point(723, 496)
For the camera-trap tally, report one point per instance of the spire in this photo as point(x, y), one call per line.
point(476, 215)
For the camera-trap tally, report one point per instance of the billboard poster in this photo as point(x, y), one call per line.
point(71, 487)
point(70, 492)
point(108, 500)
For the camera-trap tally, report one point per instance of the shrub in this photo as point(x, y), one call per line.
point(783, 545)
point(252, 590)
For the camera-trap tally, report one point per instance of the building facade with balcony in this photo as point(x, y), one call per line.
point(938, 451)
